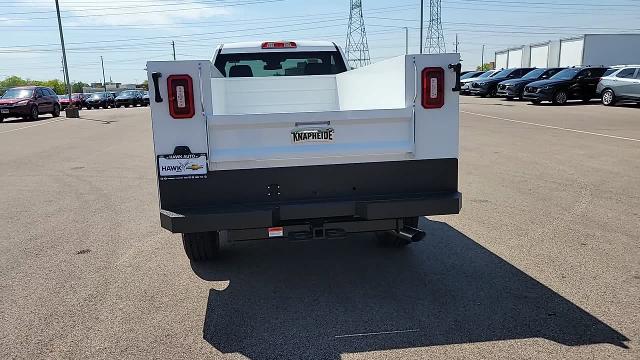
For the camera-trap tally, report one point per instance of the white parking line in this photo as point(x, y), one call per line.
point(377, 333)
point(552, 127)
point(34, 125)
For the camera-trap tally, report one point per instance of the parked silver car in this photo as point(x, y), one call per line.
point(622, 84)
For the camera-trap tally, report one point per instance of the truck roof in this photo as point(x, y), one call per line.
point(256, 46)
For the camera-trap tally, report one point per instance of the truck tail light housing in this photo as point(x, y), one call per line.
point(180, 89)
point(279, 45)
point(432, 88)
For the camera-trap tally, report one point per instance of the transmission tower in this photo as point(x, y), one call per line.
point(435, 36)
point(357, 46)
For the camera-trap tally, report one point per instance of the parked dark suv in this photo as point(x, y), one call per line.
point(514, 88)
point(576, 83)
point(101, 99)
point(129, 98)
point(29, 102)
point(489, 87)
point(145, 98)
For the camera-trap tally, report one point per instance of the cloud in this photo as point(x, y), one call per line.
point(10, 21)
point(127, 12)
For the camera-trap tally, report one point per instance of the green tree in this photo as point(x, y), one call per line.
point(13, 81)
point(485, 67)
point(145, 84)
point(77, 86)
point(58, 86)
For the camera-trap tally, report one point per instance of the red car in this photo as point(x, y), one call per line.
point(29, 102)
point(76, 100)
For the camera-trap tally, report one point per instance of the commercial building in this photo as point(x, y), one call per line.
point(114, 87)
point(588, 49)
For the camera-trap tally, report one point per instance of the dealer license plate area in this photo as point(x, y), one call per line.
point(190, 166)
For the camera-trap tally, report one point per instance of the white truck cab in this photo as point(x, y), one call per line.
point(278, 139)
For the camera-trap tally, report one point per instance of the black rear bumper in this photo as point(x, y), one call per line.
point(262, 198)
point(249, 217)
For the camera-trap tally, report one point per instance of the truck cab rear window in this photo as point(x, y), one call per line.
point(280, 64)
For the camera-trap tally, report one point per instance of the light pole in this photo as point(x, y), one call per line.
point(421, 22)
point(70, 111)
point(406, 40)
point(104, 79)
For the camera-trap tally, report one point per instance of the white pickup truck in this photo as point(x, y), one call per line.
point(279, 139)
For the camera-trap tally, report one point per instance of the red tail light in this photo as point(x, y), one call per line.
point(181, 104)
point(279, 45)
point(432, 88)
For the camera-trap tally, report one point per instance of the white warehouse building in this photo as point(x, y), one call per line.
point(588, 49)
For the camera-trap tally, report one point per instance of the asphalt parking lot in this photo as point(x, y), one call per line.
point(543, 262)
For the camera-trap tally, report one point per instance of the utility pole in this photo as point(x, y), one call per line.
point(71, 111)
point(63, 72)
point(482, 61)
point(421, 23)
point(173, 45)
point(104, 79)
point(456, 43)
point(406, 40)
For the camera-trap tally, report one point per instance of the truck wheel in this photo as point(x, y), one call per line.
point(201, 246)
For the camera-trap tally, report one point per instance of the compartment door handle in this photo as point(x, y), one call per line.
point(156, 85)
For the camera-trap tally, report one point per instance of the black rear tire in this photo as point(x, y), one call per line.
point(56, 111)
point(201, 246)
point(34, 113)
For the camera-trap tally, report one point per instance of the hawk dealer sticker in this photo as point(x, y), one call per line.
point(190, 166)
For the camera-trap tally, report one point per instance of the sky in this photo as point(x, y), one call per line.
point(127, 33)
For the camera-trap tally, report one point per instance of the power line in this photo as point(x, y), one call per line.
point(216, 4)
point(148, 25)
point(253, 2)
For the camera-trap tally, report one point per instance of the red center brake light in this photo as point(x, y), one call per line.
point(432, 88)
point(279, 45)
